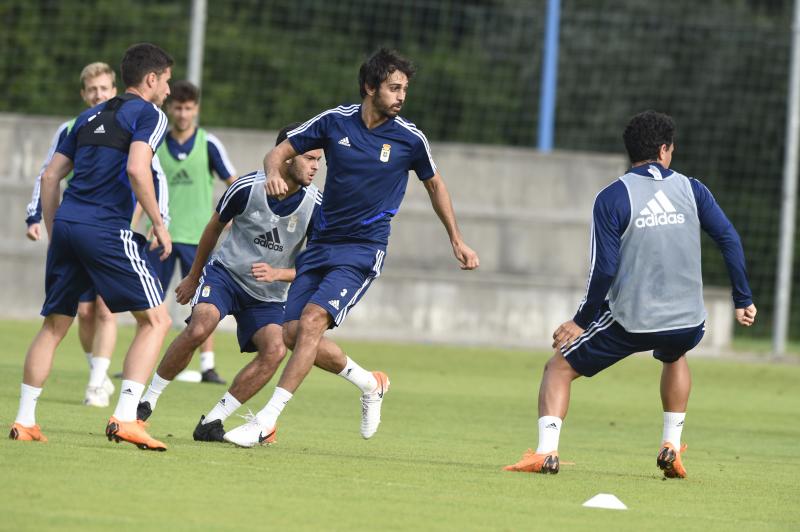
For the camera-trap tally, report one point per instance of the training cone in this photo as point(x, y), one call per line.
point(605, 500)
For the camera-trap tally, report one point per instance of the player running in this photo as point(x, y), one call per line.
point(369, 150)
point(645, 257)
point(97, 327)
point(111, 149)
point(248, 277)
point(188, 156)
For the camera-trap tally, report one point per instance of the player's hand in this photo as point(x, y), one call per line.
point(467, 258)
point(276, 186)
point(264, 272)
point(186, 289)
point(566, 333)
point(746, 316)
point(34, 232)
point(162, 239)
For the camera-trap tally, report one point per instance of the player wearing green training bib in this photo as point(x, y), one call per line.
point(189, 157)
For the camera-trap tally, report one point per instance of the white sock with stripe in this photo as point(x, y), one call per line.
point(157, 385)
point(223, 409)
point(28, 396)
point(129, 394)
point(268, 416)
point(363, 379)
point(549, 432)
point(673, 427)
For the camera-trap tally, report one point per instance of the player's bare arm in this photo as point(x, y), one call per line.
point(59, 167)
point(275, 184)
point(746, 316)
point(208, 240)
point(267, 274)
point(443, 206)
point(140, 172)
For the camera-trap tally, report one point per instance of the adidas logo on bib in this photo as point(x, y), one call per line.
point(100, 129)
point(659, 211)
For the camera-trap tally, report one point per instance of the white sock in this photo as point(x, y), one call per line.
point(157, 385)
point(363, 379)
point(673, 427)
point(28, 395)
point(129, 394)
point(99, 371)
point(206, 360)
point(223, 409)
point(89, 357)
point(268, 415)
point(549, 431)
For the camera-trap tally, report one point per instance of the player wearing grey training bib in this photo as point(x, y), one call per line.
point(645, 289)
point(247, 278)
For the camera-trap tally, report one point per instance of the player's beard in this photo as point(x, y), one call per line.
point(386, 110)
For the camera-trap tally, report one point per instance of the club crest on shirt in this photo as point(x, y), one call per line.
point(292, 224)
point(206, 291)
point(387, 149)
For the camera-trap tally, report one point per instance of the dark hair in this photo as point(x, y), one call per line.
point(141, 59)
point(646, 133)
point(184, 91)
point(284, 133)
point(377, 68)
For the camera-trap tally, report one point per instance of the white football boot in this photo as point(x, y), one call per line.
point(251, 433)
point(98, 397)
point(371, 405)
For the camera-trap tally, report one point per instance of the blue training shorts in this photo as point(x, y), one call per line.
point(113, 261)
point(334, 277)
point(605, 342)
point(217, 287)
point(183, 252)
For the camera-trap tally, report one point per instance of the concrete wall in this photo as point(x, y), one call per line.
point(527, 215)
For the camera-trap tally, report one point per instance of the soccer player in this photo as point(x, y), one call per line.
point(645, 257)
point(97, 327)
point(91, 243)
point(369, 150)
point(248, 277)
point(188, 156)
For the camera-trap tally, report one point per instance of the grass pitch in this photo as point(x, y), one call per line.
point(452, 419)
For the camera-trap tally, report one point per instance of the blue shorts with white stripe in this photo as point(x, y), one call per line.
point(605, 342)
point(334, 277)
point(114, 261)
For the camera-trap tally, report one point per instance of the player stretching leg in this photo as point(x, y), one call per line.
point(91, 243)
point(646, 258)
point(369, 151)
point(248, 278)
point(97, 327)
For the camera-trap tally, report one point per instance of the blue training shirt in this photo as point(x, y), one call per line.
point(100, 192)
point(611, 217)
point(367, 172)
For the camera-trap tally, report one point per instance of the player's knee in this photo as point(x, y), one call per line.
point(103, 314)
point(314, 319)
point(274, 353)
point(290, 335)
point(86, 312)
point(198, 330)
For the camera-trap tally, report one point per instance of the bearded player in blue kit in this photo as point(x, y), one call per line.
point(369, 151)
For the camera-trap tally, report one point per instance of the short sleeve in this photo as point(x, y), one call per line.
point(312, 134)
point(234, 201)
point(150, 126)
point(218, 158)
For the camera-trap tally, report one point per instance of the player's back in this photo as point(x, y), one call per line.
point(658, 285)
point(98, 144)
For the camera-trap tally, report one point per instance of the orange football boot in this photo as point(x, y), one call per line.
point(133, 432)
point(669, 461)
point(536, 463)
point(23, 433)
